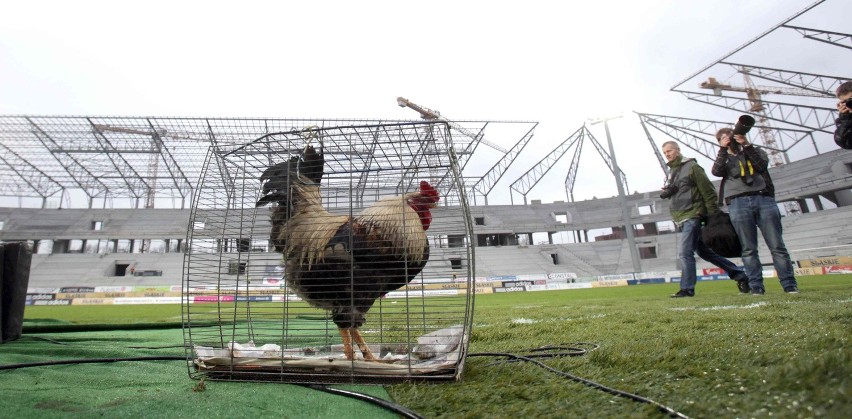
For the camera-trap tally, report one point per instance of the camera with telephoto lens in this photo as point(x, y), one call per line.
point(848, 103)
point(743, 125)
point(668, 191)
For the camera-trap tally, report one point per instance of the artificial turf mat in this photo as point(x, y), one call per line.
point(153, 388)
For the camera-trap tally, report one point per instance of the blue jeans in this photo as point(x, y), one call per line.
point(690, 244)
point(748, 213)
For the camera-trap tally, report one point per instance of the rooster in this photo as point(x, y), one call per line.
point(344, 263)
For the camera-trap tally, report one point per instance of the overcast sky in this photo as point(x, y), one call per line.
point(558, 63)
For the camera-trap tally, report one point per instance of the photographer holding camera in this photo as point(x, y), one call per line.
point(693, 198)
point(750, 195)
point(843, 130)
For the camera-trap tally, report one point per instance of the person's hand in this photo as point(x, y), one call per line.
point(741, 139)
point(725, 141)
point(842, 108)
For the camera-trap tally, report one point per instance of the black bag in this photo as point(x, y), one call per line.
point(719, 234)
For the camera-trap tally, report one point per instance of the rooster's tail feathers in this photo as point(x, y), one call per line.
point(277, 179)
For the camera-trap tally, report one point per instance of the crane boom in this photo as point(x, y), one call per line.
point(430, 114)
point(717, 87)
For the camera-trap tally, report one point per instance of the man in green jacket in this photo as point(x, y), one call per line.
point(693, 198)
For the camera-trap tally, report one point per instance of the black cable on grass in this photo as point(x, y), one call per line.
point(90, 361)
point(396, 408)
point(549, 351)
point(512, 357)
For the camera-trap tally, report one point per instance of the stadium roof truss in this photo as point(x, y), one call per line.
point(141, 162)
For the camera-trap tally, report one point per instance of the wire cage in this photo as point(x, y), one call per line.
point(249, 311)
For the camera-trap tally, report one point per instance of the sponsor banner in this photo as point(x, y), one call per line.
point(536, 287)
point(649, 275)
point(253, 298)
point(117, 294)
point(115, 289)
point(508, 284)
point(809, 271)
point(481, 279)
point(161, 288)
point(71, 296)
point(708, 277)
point(615, 277)
point(41, 297)
point(91, 301)
point(426, 293)
point(769, 273)
point(713, 271)
point(568, 285)
point(502, 278)
point(50, 303)
point(264, 291)
point(211, 298)
point(202, 288)
point(148, 300)
point(508, 289)
point(77, 289)
point(42, 290)
point(176, 288)
point(442, 286)
point(826, 261)
point(284, 297)
point(272, 281)
point(609, 283)
point(562, 275)
point(532, 277)
point(646, 281)
point(838, 269)
point(479, 290)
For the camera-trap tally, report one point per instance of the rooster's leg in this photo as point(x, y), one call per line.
point(368, 355)
point(347, 343)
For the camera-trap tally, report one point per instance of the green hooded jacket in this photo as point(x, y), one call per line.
point(704, 200)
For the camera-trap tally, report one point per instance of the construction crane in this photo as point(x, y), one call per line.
point(152, 169)
point(755, 94)
point(431, 115)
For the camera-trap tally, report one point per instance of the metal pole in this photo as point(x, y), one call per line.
point(625, 213)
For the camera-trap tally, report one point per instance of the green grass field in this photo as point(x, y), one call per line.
point(719, 354)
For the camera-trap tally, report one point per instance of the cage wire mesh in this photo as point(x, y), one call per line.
point(247, 318)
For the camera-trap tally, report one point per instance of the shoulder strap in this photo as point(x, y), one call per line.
point(722, 191)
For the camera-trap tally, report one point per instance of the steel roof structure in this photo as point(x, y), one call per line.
point(135, 161)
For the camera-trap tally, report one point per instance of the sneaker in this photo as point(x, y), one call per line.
point(742, 285)
point(792, 289)
point(758, 291)
point(684, 293)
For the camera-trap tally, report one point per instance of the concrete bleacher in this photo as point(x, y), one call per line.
point(808, 235)
point(816, 234)
point(79, 270)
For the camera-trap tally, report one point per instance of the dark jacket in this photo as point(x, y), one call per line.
point(750, 166)
point(843, 132)
point(696, 197)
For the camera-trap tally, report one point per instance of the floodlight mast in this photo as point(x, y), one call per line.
point(625, 214)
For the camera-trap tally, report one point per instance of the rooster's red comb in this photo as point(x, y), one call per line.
point(427, 191)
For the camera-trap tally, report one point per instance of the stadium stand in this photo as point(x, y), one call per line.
point(98, 247)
